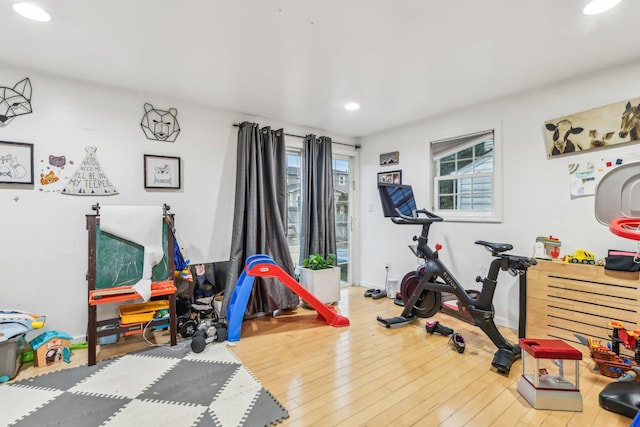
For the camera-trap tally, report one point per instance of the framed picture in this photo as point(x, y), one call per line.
point(16, 163)
point(388, 159)
point(161, 172)
point(598, 128)
point(392, 177)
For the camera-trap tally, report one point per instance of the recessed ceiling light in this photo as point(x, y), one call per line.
point(31, 11)
point(599, 6)
point(351, 106)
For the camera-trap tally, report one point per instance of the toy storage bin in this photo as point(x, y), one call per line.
point(141, 312)
point(108, 339)
point(11, 356)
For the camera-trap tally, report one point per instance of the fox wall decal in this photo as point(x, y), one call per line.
point(15, 101)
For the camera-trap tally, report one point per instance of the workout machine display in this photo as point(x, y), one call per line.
point(423, 288)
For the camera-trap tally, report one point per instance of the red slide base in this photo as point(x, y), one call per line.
point(328, 312)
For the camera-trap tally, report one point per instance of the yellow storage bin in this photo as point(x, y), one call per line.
point(141, 312)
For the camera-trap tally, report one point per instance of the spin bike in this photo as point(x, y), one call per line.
point(424, 287)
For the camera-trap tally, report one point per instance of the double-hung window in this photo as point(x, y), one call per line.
point(466, 184)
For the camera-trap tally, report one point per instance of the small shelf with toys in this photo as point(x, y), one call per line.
point(103, 249)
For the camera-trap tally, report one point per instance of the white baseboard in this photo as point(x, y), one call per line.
point(79, 338)
point(507, 323)
point(368, 285)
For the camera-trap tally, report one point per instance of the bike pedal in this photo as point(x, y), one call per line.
point(437, 327)
point(457, 342)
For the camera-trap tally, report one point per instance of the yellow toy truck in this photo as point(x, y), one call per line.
point(581, 256)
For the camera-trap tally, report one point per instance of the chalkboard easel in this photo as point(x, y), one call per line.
point(115, 265)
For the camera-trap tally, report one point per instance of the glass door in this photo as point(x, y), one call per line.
point(342, 195)
point(343, 201)
point(294, 206)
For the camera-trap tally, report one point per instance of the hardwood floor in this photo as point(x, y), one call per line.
point(367, 375)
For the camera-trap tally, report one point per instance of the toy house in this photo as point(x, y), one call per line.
point(51, 347)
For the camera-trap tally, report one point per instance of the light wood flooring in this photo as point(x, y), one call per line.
point(367, 375)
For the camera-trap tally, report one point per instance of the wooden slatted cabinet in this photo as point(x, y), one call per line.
point(564, 299)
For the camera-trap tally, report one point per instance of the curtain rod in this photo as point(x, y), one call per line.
point(356, 146)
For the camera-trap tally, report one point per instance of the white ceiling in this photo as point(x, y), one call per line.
point(299, 61)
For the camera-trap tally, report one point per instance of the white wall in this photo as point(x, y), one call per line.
point(536, 189)
point(43, 250)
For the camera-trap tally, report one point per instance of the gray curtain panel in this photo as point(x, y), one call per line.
point(318, 219)
point(260, 217)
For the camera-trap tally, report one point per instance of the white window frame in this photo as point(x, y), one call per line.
point(495, 213)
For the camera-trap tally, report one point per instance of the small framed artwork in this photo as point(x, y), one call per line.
point(388, 159)
point(392, 177)
point(161, 172)
point(16, 163)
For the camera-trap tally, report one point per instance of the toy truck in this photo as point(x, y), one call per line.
point(581, 256)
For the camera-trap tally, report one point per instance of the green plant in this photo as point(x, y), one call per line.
point(318, 262)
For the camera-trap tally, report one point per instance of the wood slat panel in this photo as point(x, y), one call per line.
point(566, 299)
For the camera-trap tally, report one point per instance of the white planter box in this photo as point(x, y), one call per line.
point(323, 284)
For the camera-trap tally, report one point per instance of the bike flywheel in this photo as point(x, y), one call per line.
point(427, 304)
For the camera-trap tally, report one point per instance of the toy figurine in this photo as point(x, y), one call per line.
point(607, 356)
point(547, 247)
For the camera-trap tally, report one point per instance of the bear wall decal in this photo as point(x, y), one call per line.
point(160, 125)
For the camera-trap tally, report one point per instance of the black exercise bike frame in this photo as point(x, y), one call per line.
point(480, 308)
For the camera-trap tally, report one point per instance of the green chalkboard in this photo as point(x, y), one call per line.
point(119, 262)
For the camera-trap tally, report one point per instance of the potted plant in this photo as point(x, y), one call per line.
point(320, 276)
point(318, 262)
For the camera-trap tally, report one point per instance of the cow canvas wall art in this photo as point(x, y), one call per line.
point(597, 128)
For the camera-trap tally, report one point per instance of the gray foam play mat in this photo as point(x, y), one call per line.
point(157, 386)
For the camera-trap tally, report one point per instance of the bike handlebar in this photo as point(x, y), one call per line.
point(405, 219)
point(514, 264)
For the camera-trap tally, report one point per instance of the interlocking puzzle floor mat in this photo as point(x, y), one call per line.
point(156, 386)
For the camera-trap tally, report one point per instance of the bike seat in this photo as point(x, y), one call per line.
point(495, 248)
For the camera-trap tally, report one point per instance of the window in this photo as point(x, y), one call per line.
point(293, 203)
point(465, 184)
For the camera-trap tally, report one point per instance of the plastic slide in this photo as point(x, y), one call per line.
point(263, 266)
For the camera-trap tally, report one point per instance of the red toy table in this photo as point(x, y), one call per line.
point(549, 349)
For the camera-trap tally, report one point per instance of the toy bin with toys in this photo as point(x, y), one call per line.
point(135, 318)
point(10, 356)
point(14, 325)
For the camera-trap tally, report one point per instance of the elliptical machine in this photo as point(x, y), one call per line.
point(432, 278)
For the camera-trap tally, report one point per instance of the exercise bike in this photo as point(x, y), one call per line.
point(424, 287)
